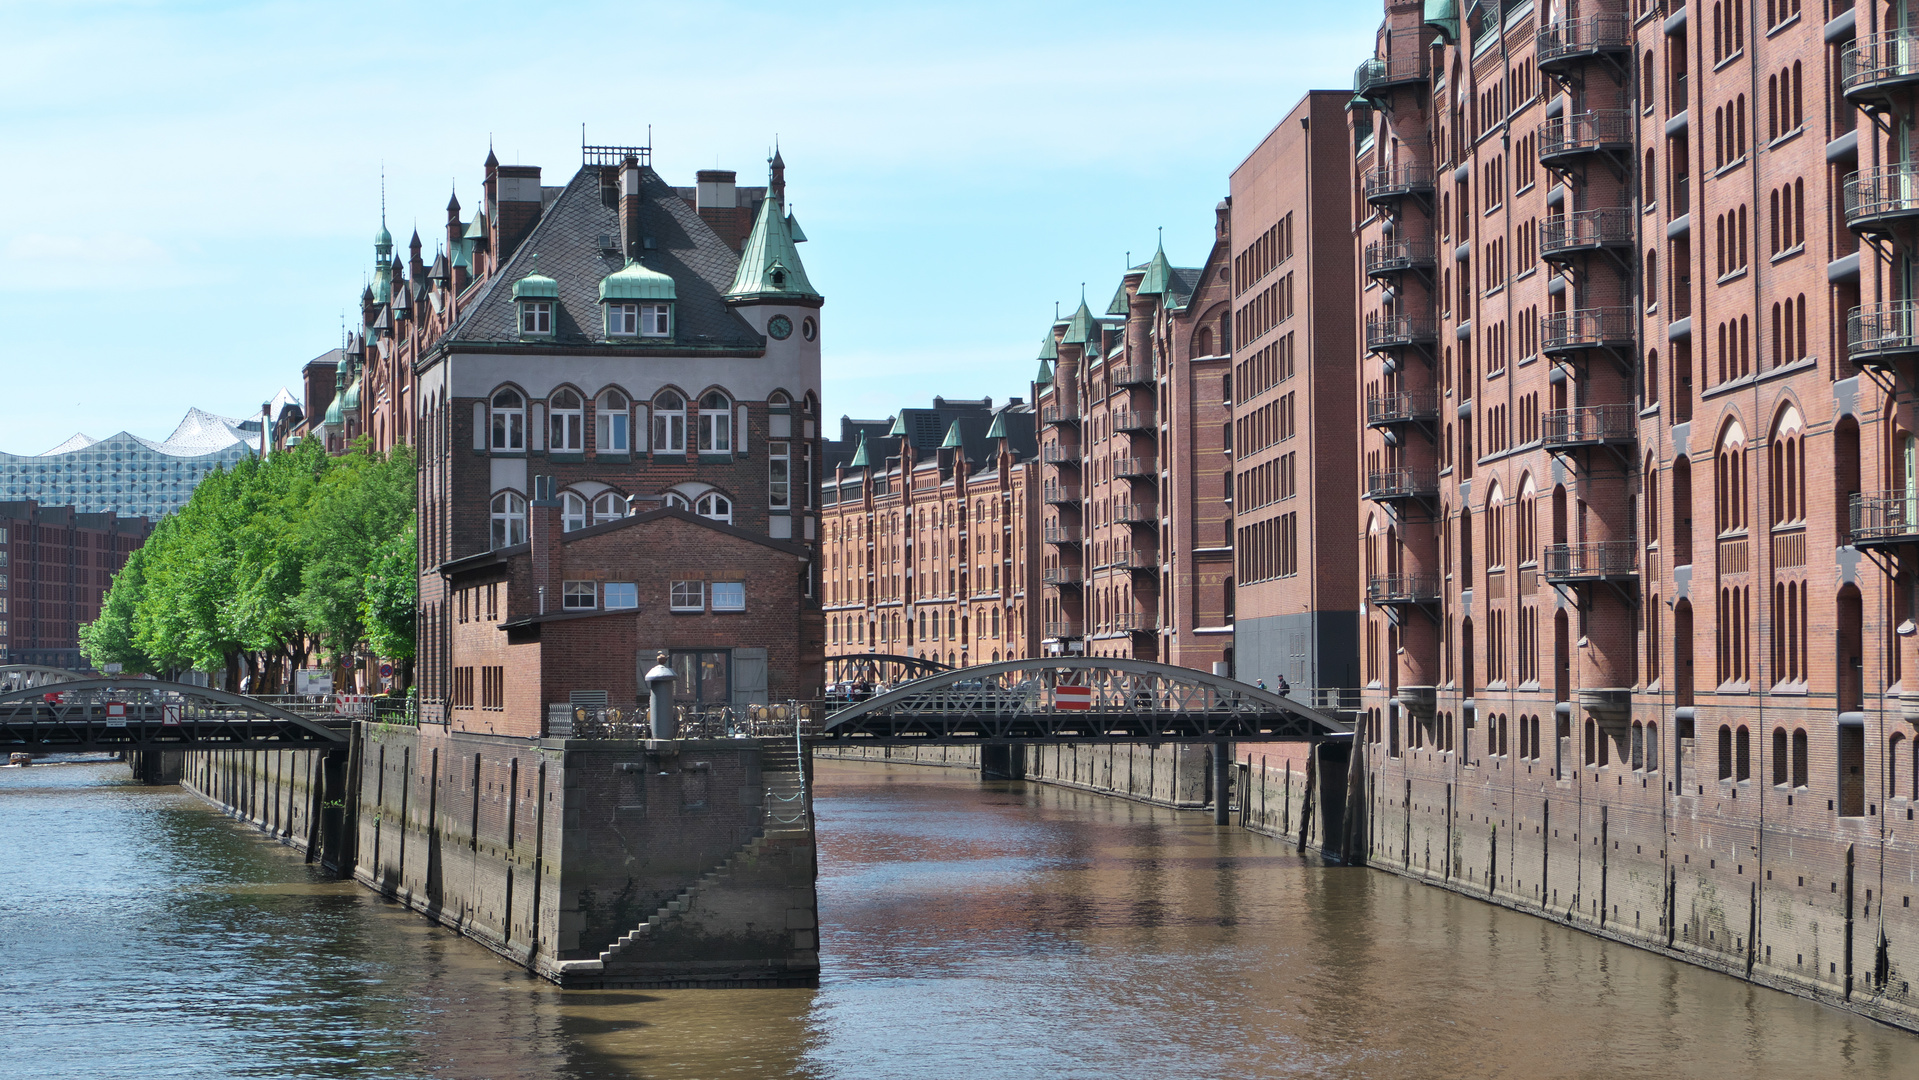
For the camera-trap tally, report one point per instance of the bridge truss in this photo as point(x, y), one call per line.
point(143, 714)
point(1078, 699)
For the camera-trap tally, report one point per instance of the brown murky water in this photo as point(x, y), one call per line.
point(971, 931)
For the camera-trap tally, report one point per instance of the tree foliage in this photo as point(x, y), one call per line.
point(271, 561)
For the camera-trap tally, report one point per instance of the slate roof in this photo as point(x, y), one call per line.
point(567, 240)
point(929, 428)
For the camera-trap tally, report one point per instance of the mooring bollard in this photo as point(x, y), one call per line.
point(659, 685)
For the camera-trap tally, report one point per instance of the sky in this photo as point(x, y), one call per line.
point(192, 189)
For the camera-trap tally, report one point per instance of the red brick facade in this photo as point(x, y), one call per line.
point(56, 566)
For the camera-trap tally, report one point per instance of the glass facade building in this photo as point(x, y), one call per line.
point(127, 474)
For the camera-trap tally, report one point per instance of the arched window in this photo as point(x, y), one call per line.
point(669, 423)
point(608, 506)
point(1742, 754)
point(1652, 747)
point(677, 501)
point(509, 421)
point(1799, 758)
point(509, 519)
point(610, 420)
point(572, 511)
point(566, 413)
point(1788, 479)
point(1725, 752)
point(1729, 480)
point(716, 424)
point(716, 506)
point(1779, 759)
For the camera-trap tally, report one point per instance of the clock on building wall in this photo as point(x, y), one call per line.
point(780, 327)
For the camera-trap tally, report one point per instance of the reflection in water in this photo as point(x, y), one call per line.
point(970, 930)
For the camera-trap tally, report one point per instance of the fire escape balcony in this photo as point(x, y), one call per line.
point(1134, 420)
point(1136, 513)
point(1059, 414)
point(1062, 534)
point(1071, 576)
point(1567, 141)
point(1134, 466)
point(1135, 622)
point(1135, 559)
point(1880, 199)
point(1562, 46)
point(1881, 335)
point(1402, 407)
point(1055, 454)
point(1060, 494)
point(1407, 62)
point(1877, 66)
point(1610, 560)
point(1564, 235)
point(1064, 629)
point(1135, 374)
point(1385, 258)
point(1403, 589)
point(1390, 183)
point(1402, 485)
point(1884, 518)
point(1590, 425)
point(1574, 331)
point(1385, 332)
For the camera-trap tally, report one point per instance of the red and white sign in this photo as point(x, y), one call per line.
point(354, 704)
point(116, 714)
point(170, 714)
point(1073, 697)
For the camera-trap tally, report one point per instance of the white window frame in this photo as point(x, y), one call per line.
point(622, 320)
point(579, 596)
point(608, 506)
point(728, 595)
point(536, 317)
point(715, 507)
point(508, 517)
point(669, 423)
point(656, 320)
point(779, 475)
point(716, 424)
point(686, 596)
point(509, 421)
point(612, 422)
point(573, 512)
point(619, 595)
point(566, 416)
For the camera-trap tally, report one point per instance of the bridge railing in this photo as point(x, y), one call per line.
point(623, 722)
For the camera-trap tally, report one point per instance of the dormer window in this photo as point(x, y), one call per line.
point(638, 320)
point(638, 302)
point(536, 294)
point(536, 317)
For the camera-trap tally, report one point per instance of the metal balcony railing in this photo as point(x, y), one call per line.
point(1131, 374)
point(1055, 454)
point(1064, 629)
point(1135, 559)
point(1400, 331)
point(1385, 257)
point(1407, 60)
point(1608, 560)
point(1881, 334)
point(1585, 230)
point(1880, 518)
point(1060, 494)
point(1401, 407)
point(1061, 575)
point(1587, 328)
point(1591, 425)
point(1878, 63)
point(1389, 182)
point(1386, 485)
point(1062, 534)
point(1403, 589)
point(1136, 513)
point(1563, 43)
point(1134, 466)
point(1059, 414)
point(1136, 622)
point(1134, 420)
point(1590, 132)
point(1886, 195)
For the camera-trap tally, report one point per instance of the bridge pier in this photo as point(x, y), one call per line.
point(1222, 762)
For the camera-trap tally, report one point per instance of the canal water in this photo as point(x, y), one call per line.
point(970, 931)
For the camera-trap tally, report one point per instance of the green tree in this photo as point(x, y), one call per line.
point(109, 639)
point(392, 595)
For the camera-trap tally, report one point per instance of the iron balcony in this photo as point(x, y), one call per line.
point(1402, 407)
point(1880, 335)
point(1399, 332)
point(1061, 494)
point(1881, 198)
point(1586, 230)
point(1609, 560)
point(1392, 182)
point(1403, 589)
point(1059, 414)
point(1566, 138)
point(1131, 374)
point(1393, 485)
point(1134, 466)
point(1587, 328)
point(1878, 64)
point(1591, 425)
point(1136, 622)
point(1134, 559)
point(1136, 513)
point(1134, 420)
point(1063, 629)
point(1055, 454)
point(1062, 534)
point(1061, 575)
point(1407, 61)
point(1884, 518)
point(1385, 258)
point(1563, 45)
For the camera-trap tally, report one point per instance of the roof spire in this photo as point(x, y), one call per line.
point(953, 438)
point(859, 455)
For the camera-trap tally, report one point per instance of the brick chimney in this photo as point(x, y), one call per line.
point(519, 207)
point(630, 238)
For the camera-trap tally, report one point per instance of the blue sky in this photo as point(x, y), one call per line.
point(191, 189)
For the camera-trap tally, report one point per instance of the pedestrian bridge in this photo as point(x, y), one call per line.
point(1078, 699)
point(77, 714)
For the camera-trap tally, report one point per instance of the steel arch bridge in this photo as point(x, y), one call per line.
point(1079, 699)
point(22, 676)
point(881, 667)
point(144, 714)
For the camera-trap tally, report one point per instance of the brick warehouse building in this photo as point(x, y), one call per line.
point(1639, 474)
point(1292, 389)
point(931, 525)
point(635, 344)
point(56, 565)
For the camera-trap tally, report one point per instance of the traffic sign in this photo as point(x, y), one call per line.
point(1073, 697)
point(170, 714)
point(116, 714)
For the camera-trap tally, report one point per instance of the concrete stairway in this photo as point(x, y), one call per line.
point(746, 856)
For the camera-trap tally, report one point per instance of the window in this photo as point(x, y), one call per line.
point(779, 475)
point(536, 316)
point(572, 512)
point(669, 423)
point(715, 506)
point(608, 506)
point(619, 594)
point(729, 596)
point(716, 424)
point(509, 421)
point(622, 320)
point(688, 596)
point(654, 321)
point(610, 421)
point(509, 519)
point(567, 416)
point(579, 595)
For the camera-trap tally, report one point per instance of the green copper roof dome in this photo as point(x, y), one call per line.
point(770, 267)
point(998, 430)
point(859, 455)
point(535, 285)
point(636, 282)
point(350, 401)
point(952, 437)
point(1045, 372)
point(1082, 327)
point(899, 427)
point(383, 240)
point(1119, 306)
point(1048, 348)
point(1159, 275)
